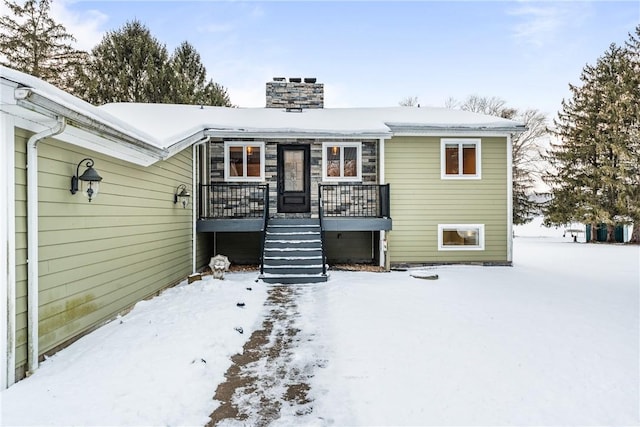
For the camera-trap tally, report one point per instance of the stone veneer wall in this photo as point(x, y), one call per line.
point(294, 94)
point(369, 172)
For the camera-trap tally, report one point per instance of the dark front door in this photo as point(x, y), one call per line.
point(294, 173)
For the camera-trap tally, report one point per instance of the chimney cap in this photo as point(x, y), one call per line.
point(295, 79)
point(310, 79)
point(279, 79)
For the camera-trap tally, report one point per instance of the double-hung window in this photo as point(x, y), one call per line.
point(342, 161)
point(460, 158)
point(243, 161)
point(460, 237)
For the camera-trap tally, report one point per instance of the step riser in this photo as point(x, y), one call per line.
point(283, 229)
point(300, 244)
point(276, 262)
point(292, 271)
point(288, 236)
point(294, 280)
point(294, 221)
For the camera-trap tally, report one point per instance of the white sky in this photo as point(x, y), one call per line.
point(376, 53)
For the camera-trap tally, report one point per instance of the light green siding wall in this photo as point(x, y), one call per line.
point(97, 259)
point(420, 200)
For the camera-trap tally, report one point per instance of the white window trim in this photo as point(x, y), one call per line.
point(460, 141)
point(479, 227)
point(342, 145)
point(244, 144)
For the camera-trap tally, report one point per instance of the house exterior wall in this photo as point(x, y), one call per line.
point(100, 258)
point(369, 168)
point(420, 200)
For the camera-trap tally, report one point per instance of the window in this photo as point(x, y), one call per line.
point(243, 161)
point(460, 158)
point(341, 161)
point(460, 237)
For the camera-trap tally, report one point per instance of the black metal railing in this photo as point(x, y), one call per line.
point(355, 200)
point(265, 224)
point(320, 215)
point(218, 200)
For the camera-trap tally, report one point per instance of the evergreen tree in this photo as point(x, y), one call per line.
point(633, 104)
point(215, 94)
point(32, 42)
point(594, 175)
point(526, 149)
point(189, 85)
point(189, 75)
point(128, 65)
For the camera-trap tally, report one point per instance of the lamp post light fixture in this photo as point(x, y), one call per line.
point(89, 180)
point(181, 195)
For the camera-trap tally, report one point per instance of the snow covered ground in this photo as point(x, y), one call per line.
point(553, 340)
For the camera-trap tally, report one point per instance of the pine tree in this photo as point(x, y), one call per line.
point(189, 84)
point(215, 94)
point(633, 104)
point(594, 167)
point(189, 75)
point(32, 42)
point(128, 65)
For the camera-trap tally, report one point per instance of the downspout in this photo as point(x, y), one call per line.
point(195, 162)
point(382, 244)
point(509, 200)
point(32, 242)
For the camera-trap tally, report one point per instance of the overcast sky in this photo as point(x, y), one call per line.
point(376, 53)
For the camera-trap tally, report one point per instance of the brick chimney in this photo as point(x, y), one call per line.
point(295, 94)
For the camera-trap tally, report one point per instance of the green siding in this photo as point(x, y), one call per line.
point(420, 200)
point(97, 259)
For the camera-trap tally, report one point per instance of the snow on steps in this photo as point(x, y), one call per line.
point(293, 252)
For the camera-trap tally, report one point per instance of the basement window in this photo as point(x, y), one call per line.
point(460, 158)
point(460, 237)
point(342, 161)
point(243, 161)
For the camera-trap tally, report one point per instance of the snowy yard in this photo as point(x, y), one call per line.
point(553, 340)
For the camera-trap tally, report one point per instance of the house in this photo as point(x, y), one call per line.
point(290, 187)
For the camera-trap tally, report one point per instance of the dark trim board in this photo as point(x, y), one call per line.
point(356, 224)
point(328, 223)
point(229, 225)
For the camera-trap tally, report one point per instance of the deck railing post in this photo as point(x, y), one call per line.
point(320, 215)
point(265, 223)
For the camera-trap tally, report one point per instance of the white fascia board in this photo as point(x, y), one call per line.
point(265, 134)
point(187, 142)
point(466, 132)
point(119, 143)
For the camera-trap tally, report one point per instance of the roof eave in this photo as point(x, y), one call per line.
point(294, 133)
point(30, 99)
point(455, 130)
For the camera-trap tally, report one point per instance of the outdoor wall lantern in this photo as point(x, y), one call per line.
point(181, 195)
point(89, 180)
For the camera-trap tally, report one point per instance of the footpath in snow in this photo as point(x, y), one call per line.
point(553, 340)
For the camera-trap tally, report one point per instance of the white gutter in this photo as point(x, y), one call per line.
point(509, 199)
point(8, 255)
point(32, 243)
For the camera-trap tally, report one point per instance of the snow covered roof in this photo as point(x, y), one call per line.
point(169, 123)
point(146, 133)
